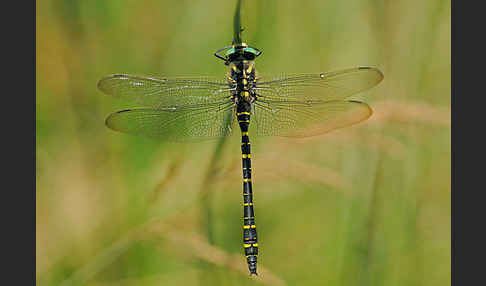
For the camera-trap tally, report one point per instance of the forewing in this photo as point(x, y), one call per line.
point(336, 85)
point(162, 93)
point(176, 124)
point(299, 119)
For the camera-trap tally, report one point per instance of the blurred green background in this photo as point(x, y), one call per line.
point(364, 205)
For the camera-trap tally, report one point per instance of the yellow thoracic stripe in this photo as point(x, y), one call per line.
point(247, 113)
point(245, 156)
point(244, 133)
point(246, 180)
point(249, 226)
point(247, 121)
point(245, 245)
point(246, 204)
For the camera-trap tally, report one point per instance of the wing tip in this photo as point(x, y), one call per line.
point(106, 88)
point(101, 85)
point(364, 104)
point(109, 122)
point(375, 69)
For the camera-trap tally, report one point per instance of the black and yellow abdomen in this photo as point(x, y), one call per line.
point(250, 241)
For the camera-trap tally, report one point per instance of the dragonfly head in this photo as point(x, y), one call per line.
point(238, 52)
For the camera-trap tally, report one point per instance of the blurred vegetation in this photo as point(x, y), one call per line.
point(364, 205)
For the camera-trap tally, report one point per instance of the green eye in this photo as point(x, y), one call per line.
point(230, 51)
point(251, 50)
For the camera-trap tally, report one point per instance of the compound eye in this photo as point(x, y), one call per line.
point(230, 52)
point(251, 50)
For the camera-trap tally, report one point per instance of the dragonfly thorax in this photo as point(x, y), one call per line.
point(242, 78)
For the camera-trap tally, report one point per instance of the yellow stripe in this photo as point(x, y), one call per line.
point(253, 226)
point(246, 245)
point(246, 180)
point(247, 113)
point(255, 244)
point(246, 204)
point(244, 133)
point(245, 156)
point(246, 226)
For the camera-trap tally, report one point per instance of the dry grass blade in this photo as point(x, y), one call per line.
point(373, 140)
point(275, 166)
point(104, 259)
point(303, 172)
point(407, 111)
point(172, 172)
point(199, 247)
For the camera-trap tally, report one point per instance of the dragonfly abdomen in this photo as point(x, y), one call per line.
point(250, 241)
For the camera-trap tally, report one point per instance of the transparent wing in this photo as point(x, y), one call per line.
point(312, 104)
point(162, 92)
point(337, 85)
point(299, 119)
point(177, 123)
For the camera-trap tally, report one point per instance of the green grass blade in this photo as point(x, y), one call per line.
point(237, 24)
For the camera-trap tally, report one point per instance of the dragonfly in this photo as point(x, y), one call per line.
point(196, 109)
